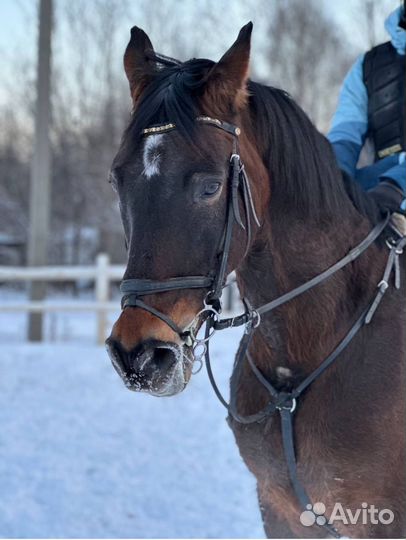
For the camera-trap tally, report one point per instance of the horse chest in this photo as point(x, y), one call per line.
point(260, 446)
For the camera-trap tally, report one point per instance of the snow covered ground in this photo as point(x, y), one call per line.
point(81, 456)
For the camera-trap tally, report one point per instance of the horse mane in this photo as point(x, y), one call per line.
point(301, 163)
point(303, 168)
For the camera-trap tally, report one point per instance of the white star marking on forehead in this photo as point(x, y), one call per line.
point(152, 157)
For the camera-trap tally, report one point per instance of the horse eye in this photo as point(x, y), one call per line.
point(211, 189)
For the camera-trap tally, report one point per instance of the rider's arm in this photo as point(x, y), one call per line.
point(350, 121)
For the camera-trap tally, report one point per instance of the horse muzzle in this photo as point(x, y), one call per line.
point(155, 367)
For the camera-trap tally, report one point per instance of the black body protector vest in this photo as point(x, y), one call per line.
point(384, 78)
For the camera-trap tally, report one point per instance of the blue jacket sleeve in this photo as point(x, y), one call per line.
point(397, 173)
point(370, 176)
point(350, 122)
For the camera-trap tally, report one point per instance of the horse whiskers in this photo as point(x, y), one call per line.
point(186, 358)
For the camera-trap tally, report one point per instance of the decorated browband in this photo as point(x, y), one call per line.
point(163, 128)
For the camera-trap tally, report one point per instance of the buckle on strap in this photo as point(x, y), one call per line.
point(254, 317)
point(286, 402)
point(383, 285)
point(395, 250)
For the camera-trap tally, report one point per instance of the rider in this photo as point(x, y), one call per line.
point(372, 106)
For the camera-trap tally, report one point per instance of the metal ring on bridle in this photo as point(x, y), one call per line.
point(193, 325)
point(199, 355)
point(291, 407)
point(256, 319)
point(199, 360)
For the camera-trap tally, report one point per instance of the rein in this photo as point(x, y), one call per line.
point(285, 403)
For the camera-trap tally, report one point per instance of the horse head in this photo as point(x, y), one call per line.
point(173, 174)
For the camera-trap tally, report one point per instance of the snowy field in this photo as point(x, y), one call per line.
point(81, 456)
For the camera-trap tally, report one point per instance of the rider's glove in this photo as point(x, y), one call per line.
point(388, 196)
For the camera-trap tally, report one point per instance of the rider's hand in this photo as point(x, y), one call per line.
point(388, 196)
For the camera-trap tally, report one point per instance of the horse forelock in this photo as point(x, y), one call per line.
point(174, 95)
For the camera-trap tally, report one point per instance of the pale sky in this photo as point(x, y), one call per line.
point(15, 15)
point(19, 30)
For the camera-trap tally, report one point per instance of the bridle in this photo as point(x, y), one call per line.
point(238, 183)
point(280, 401)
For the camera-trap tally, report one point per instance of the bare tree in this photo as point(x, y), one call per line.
point(364, 22)
point(14, 175)
point(296, 46)
point(306, 56)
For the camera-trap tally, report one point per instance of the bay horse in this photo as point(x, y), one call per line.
point(216, 173)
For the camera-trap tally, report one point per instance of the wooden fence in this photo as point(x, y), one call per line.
point(102, 274)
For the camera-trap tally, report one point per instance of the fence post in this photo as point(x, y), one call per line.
point(102, 293)
point(229, 293)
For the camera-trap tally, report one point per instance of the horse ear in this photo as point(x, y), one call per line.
point(227, 80)
point(138, 65)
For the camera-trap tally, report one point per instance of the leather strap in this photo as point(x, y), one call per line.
point(132, 289)
point(285, 402)
point(143, 287)
point(133, 301)
point(218, 284)
point(363, 319)
point(351, 256)
point(286, 415)
point(225, 126)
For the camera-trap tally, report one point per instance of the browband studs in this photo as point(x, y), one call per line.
point(158, 129)
point(163, 128)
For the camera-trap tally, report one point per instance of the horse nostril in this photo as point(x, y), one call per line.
point(157, 367)
point(118, 356)
point(155, 358)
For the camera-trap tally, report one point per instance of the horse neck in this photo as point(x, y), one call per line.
point(310, 223)
point(286, 254)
